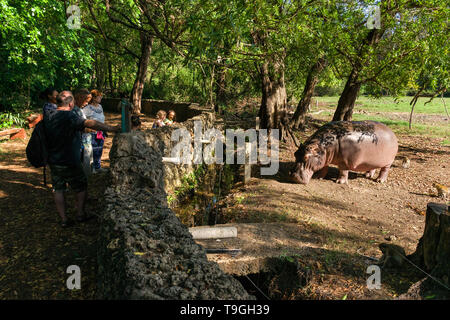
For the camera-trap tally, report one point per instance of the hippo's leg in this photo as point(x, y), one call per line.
point(370, 174)
point(343, 176)
point(383, 174)
point(322, 172)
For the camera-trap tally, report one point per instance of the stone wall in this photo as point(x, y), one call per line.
point(136, 157)
point(145, 252)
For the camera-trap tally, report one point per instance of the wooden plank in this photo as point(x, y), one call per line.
point(22, 134)
point(206, 232)
point(9, 132)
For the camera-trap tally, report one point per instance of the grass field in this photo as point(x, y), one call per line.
point(388, 104)
point(395, 114)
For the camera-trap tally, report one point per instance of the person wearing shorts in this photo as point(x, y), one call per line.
point(63, 128)
point(72, 176)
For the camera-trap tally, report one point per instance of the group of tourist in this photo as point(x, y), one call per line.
point(87, 106)
point(75, 131)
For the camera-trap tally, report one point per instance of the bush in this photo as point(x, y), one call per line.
point(9, 120)
point(327, 91)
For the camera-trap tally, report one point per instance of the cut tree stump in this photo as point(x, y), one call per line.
point(433, 253)
point(433, 249)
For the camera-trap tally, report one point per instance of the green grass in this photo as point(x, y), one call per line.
point(402, 127)
point(388, 104)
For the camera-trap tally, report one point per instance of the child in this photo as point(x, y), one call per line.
point(160, 116)
point(170, 118)
point(135, 123)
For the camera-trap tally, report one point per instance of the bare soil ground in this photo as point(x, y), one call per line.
point(344, 221)
point(34, 250)
point(347, 220)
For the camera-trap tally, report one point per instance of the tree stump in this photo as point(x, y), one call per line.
point(433, 252)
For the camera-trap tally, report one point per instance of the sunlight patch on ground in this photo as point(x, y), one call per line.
point(22, 169)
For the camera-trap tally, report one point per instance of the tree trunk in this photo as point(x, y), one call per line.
point(298, 120)
point(433, 253)
point(274, 97)
point(434, 246)
point(220, 88)
point(98, 72)
point(110, 73)
point(344, 110)
point(141, 75)
point(273, 110)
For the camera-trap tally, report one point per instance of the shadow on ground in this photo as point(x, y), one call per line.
point(34, 250)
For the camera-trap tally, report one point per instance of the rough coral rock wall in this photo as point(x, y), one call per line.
point(136, 156)
point(145, 252)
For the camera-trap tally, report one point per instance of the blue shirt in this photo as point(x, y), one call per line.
point(48, 106)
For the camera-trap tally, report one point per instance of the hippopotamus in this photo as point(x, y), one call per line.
point(361, 146)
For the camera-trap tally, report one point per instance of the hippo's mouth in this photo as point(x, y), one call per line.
point(299, 174)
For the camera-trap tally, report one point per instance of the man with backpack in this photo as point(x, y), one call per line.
point(62, 129)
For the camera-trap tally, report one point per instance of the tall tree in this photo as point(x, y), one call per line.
point(266, 34)
point(145, 20)
point(38, 49)
point(298, 119)
point(383, 57)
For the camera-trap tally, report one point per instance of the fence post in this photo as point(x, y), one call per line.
point(247, 165)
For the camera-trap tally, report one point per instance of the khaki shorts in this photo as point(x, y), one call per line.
point(72, 175)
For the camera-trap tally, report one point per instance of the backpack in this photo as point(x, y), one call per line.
point(37, 153)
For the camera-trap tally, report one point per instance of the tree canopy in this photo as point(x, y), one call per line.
point(215, 51)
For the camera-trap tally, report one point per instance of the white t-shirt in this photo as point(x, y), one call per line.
point(85, 137)
point(94, 113)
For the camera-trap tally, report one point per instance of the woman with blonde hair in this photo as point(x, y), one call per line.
point(82, 98)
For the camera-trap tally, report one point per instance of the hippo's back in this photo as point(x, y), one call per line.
point(366, 144)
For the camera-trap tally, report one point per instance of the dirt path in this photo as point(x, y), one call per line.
point(344, 221)
point(34, 250)
point(347, 220)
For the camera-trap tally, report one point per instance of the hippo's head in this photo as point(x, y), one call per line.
point(308, 159)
